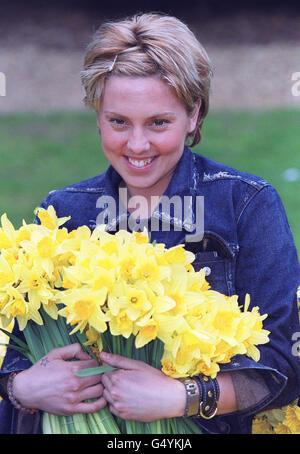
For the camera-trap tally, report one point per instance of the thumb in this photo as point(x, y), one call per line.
point(72, 351)
point(121, 362)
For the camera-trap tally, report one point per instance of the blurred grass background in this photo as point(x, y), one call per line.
point(41, 152)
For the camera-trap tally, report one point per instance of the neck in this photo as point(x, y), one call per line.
point(141, 202)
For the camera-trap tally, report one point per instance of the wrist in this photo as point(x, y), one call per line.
point(18, 386)
point(18, 392)
point(202, 396)
point(180, 405)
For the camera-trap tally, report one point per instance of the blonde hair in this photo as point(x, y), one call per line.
point(146, 45)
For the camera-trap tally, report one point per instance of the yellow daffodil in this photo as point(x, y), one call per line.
point(102, 278)
point(75, 238)
point(121, 324)
point(147, 333)
point(42, 248)
point(261, 425)
point(17, 307)
point(7, 233)
point(292, 419)
point(196, 281)
point(282, 429)
point(126, 265)
point(141, 237)
point(283, 420)
point(103, 260)
point(7, 275)
point(147, 268)
point(83, 307)
point(168, 367)
point(49, 219)
point(175, 288)
point(178, 254)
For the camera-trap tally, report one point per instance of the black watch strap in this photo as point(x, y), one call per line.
point(210, 395)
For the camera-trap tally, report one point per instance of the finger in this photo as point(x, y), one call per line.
point(86, 364)
point(73, 351)
point(107, 396)
point(89, 407)
point(114, 411)
point(92, 392)
point(106, 381)
point(121, 361)
point(85, 382)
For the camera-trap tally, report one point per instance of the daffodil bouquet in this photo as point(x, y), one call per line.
point(124, 294)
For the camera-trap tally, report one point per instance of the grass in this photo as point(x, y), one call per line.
point(41, 152)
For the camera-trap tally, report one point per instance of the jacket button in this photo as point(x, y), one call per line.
point(207, 270)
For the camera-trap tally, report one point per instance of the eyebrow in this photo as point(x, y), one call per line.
point(160, 114)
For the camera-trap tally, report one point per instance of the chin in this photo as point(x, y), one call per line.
point(140, 185)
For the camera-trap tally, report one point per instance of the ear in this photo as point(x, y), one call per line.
point(194, 117)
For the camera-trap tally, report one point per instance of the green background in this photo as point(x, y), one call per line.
point(41, 152)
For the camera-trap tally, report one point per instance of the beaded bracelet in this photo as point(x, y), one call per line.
point(13, 400)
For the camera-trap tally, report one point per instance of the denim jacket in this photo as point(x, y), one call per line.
point(246, 247)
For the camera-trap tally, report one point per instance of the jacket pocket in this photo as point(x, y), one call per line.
point(214, 269)
point(217, 258)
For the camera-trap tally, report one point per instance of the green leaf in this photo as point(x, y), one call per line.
point(19, 349)
point(25, 352)
point(94, 371)
point(15, 339)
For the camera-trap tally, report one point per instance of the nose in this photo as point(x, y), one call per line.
point(138, 142)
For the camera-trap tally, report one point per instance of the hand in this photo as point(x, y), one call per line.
point(51, 384)
point(140, 392)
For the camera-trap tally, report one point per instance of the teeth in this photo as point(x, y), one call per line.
point(140, 163)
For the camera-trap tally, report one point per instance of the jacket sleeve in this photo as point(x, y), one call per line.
point(13, 421)
point(268, 269)
point(13, 361)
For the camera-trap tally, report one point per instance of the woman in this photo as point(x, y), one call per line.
point(148, 80)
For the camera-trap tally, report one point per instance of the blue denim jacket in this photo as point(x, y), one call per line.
point(247, 247)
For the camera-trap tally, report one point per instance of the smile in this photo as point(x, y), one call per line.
point(140, 162)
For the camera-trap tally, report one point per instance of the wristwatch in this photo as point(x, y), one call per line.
point(192, 396)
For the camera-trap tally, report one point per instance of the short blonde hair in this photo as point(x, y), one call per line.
point(146, 45)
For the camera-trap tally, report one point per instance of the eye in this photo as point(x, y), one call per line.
point(117, 121)
point(159, 122)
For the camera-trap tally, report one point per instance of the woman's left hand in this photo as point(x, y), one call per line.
point(137, 391)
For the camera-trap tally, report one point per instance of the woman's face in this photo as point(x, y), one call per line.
point(143, 127)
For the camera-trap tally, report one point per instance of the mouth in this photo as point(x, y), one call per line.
point(140, 163)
